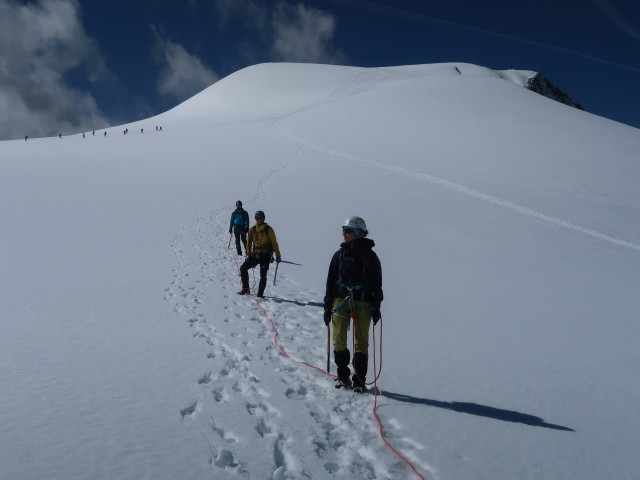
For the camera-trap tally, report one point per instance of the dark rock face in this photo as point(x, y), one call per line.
point(541, 84)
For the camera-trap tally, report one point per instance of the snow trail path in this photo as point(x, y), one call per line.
point(306, 427)
point(252, 390)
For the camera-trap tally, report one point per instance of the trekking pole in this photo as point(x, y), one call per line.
point(229, 246)
point(275, 274)
point(328, 349)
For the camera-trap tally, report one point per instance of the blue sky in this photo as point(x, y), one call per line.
point(69, 64)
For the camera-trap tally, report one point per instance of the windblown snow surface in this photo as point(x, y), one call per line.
point(508, 227)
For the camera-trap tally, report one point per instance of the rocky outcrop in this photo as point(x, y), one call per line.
point(541, 84)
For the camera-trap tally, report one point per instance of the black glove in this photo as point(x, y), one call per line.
point(376, 316)
point(278, 259)
point(229, 231)
point(327, 316)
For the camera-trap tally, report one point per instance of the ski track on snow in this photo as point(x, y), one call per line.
point(366, 80)
point(469, 192)
point(238, 401)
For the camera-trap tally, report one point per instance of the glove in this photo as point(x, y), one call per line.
point(278, 259)
point(229, 231)
point(376, 316)
point(327, 316)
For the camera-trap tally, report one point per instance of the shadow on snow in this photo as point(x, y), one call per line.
point(479, 410)
point(462, 407)
point(296, 302)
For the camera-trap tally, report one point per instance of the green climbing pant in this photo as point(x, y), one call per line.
point(341, 319)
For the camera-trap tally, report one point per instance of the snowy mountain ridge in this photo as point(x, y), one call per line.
point(303, 82)
point(508, 227)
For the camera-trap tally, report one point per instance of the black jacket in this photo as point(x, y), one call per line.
point(355, 265)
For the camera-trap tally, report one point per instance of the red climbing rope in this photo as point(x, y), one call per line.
point(377, 371)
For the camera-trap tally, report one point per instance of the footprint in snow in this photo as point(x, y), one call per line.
point(190, 410)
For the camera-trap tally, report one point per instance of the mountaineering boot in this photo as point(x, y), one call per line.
point(244, 291)
point(261, 287)
point(341, 384)
point(342, 358)
point(239, 251)
point(360, 364)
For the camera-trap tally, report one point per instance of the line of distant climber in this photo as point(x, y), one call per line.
point(93, 133)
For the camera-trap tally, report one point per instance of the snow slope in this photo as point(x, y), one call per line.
point(508, 227)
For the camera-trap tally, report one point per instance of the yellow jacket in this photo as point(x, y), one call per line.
point(262, 239)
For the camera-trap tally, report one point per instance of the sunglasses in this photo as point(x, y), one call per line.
point(347, 230)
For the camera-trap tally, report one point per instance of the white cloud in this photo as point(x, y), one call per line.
point(39, 43)
point(291, 32)
point(183, 74)
point(303, 34)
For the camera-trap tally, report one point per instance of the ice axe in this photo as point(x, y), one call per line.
point(290, 263)
point(275, 274)
point(328, 349)
point(229, 246)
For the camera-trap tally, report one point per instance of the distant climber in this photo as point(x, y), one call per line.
point(239, 224)
point(261, 245)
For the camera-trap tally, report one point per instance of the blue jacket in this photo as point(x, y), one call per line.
point(239, 220)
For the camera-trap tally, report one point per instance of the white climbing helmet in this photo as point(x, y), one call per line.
point(355, 222)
